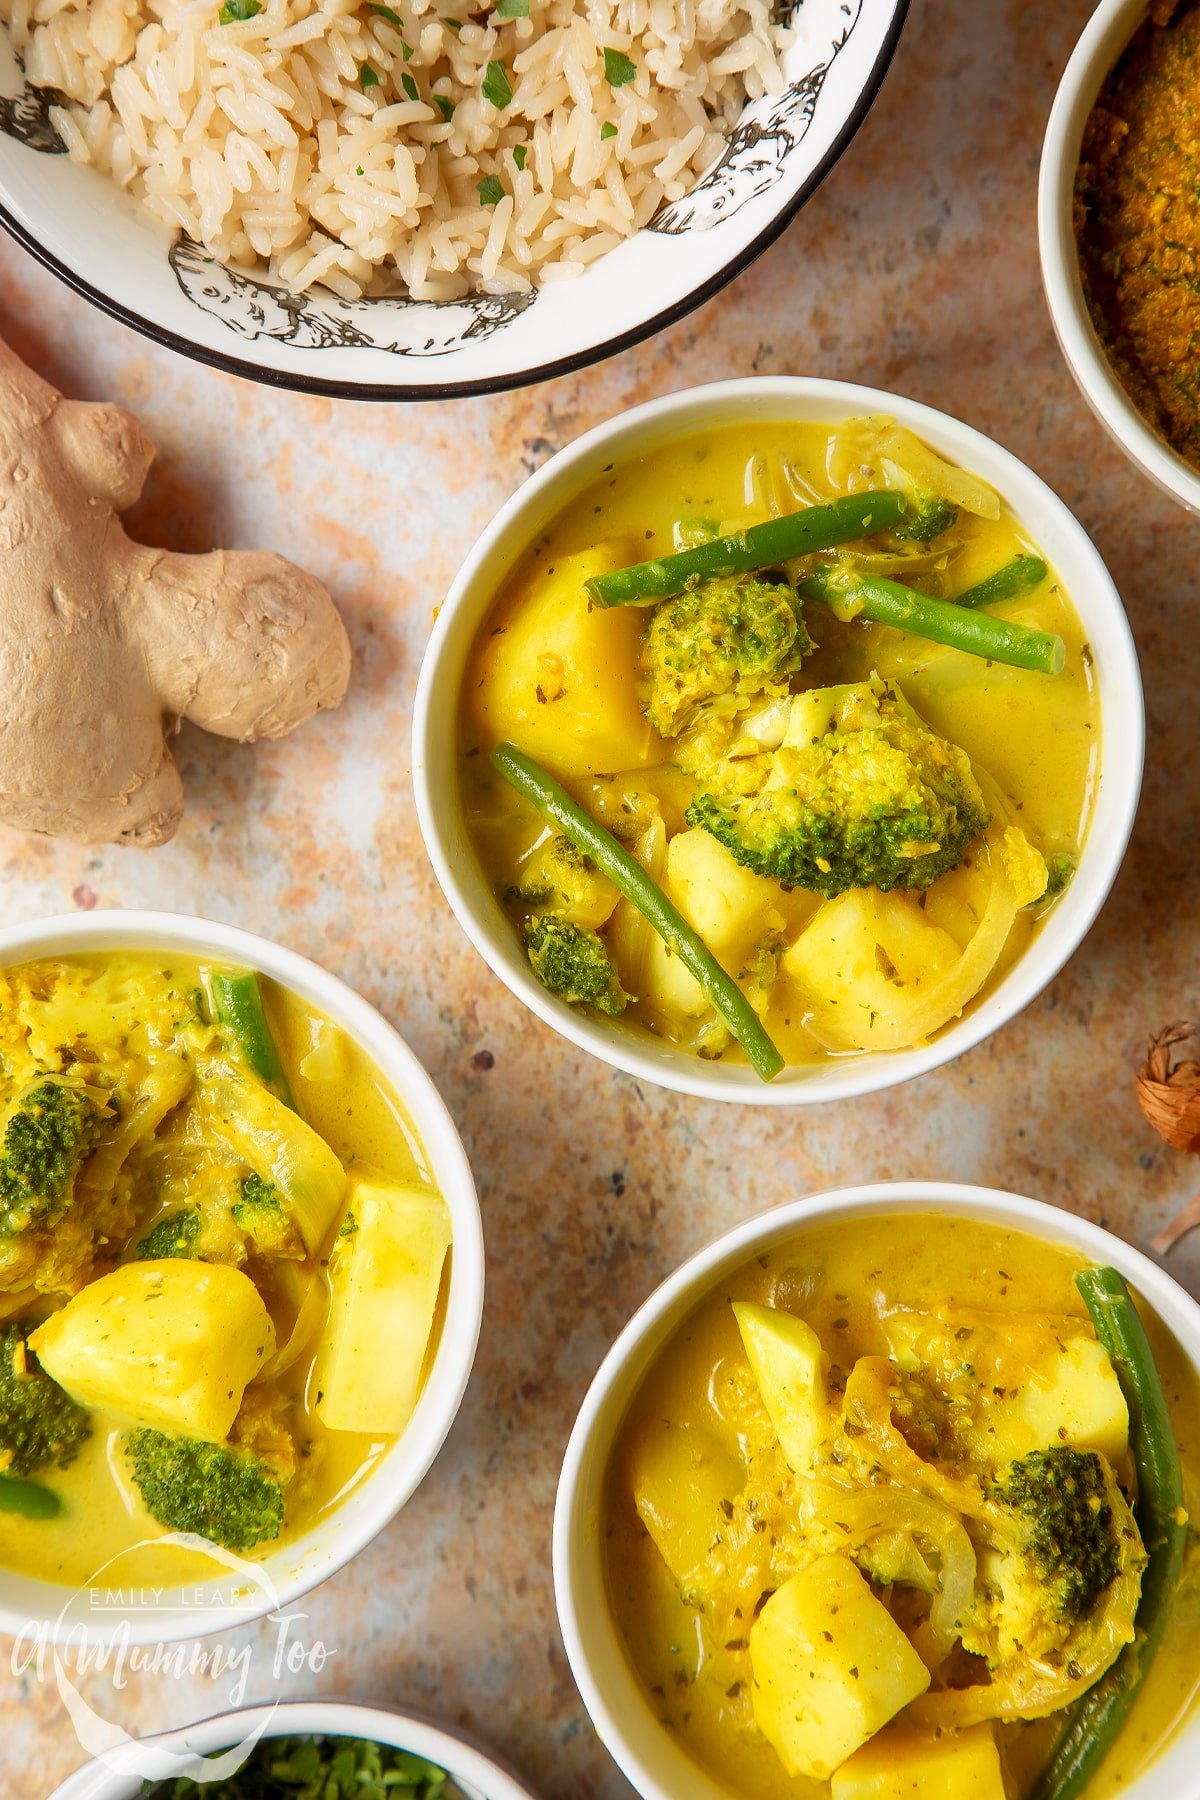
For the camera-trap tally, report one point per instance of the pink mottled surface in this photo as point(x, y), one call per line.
point(914, 268)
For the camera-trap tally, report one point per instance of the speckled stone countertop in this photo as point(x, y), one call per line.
point(914, 268)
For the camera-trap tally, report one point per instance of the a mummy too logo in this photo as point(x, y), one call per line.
point(113, 1637)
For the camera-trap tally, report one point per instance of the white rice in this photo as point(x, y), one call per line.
point(259, 139)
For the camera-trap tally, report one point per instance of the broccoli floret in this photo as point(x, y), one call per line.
point(859, 794)
point(1059, 870)
point(40, 1425)
point(574, 963)
point(739, 635)
point(1066, 1523)
point(219, 1493)
point(260, 1214)
point(928, 516)
point(52, 1130)
point(560, 878)
point(177, 1235)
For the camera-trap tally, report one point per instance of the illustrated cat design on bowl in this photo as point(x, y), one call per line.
point(322, 320)
point(757, 149)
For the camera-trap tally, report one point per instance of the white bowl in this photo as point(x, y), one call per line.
point(435, 775)
point(119, 1777)
point(616, 1702)
point(1107, 33)
point(300, 1565)
point(79, 225)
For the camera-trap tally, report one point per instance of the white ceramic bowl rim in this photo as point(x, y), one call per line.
point(1103, 40)
point(540, 499)
point(694, 277)
point(585, 1618)
point(297, 1567)
point(452, 1750)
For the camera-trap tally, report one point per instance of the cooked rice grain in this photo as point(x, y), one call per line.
point(259, 139)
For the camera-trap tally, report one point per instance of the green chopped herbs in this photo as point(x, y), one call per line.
point(445, 106)
point(607, 130)
point(454, 24)
point(490, 190)
point(385, 12)
point(618, 69)
point(409, 86)
point(235, 11)
point(407, 50)
point(367, 76)
point(520, 152)
point(304, 1768)
point(496, 86)
point(512, 9)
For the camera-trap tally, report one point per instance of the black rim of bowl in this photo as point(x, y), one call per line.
point(498, 384)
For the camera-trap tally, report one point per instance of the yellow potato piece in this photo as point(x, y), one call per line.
point(169, 1345)
point(555, 678)
point(680, 1476)
point(789, 1365)
point(386, 1274)
point(731, 907)
point(903, 1763)
point(860, 966)
point(1036, 1381)
point(831, 1666)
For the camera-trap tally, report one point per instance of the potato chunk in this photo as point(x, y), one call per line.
point(903, 1763)
point(1020, 1381)
point(729, 906)
point(386, 1273)
point(789, 1365)
point(681, 1474)
point(555, 677)
point(169, 1345)
point(831, 1666)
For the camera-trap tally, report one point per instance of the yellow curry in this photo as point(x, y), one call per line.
point(221, 1265)
point(822, 1519)
point(862, 825)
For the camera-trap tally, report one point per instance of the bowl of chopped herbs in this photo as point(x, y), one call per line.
point(300, 1750)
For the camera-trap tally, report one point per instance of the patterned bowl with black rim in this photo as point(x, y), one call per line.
point(104, 245)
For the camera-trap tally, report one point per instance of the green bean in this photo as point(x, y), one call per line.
point(758, 547)
point(238, 1005)
point(29, 1498)
point(1020, 576)
point(1096, 1720)
point(941, 621)
point(522, 773)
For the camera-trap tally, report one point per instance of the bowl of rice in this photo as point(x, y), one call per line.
point(394, 201)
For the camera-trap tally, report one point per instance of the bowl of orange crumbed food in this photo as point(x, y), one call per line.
point(1119, 222)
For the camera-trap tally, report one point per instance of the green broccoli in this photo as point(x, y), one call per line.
point(561, 879)
point(40, 1425)
point(928, 516)
point(574, 963)
point(219, 1493)
point(738, 635)
point(1059, 870)
point(176, 1235)
point(260, 1214)
point(1065, 1524)
point(50, 1133)
point(860, 793)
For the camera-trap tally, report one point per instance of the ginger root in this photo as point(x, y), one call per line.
point(107, 645)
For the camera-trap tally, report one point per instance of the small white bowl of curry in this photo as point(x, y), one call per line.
point(779, 740)
point(1119, 225)
point(241, 1276)
point(886, 1493)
